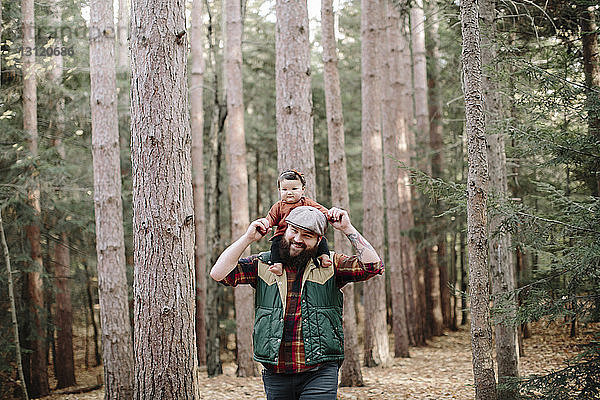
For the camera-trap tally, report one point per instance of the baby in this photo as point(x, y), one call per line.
point(291, 186)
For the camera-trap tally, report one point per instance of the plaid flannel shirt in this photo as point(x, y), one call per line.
point(291, 353)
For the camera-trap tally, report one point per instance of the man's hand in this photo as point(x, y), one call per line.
point(339, 219)
point(258, 229)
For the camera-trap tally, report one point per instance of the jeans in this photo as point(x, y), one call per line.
point(320, 383)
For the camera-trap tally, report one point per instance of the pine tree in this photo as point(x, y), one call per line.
point(477, 188)
point(376, 339)
point(238, 176)
point(164, 279)
point(350, 372)
point(197, 130)
point(293, 93)
point(117, 348)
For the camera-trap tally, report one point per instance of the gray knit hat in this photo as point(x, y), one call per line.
point(308, 218)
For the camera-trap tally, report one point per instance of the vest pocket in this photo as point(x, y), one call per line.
point(329, 335)
point(267, 326)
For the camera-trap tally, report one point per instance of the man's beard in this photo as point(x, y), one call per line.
point(295, 262)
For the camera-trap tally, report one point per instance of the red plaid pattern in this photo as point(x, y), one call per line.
point(291, 353)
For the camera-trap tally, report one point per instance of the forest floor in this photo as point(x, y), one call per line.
point(440, 370)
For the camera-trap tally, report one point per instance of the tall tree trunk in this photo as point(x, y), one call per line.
point(238, 177)
point(406, 221)
point(163, 215)
point(351, 374)
point(437, 148)
point(38, 385)
point(293, 94)
point(591, 69)
point(197, 126)
point(65, 373)
point(477, 188)
point(13, 309)
point(434, 319)
point(500, 252)
point(122, 37)
point(219, 112)
point(90, 307)
point(376, 350)
point(112, 280)
point(394, 126)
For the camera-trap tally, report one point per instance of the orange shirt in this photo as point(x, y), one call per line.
point(280, 210)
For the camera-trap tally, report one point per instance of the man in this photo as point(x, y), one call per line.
point(298, 334)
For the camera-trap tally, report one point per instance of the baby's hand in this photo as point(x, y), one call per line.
point(325, 260)
point(264, 226)
point(277, 269)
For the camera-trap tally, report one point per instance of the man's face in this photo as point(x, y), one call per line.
point(300, 240)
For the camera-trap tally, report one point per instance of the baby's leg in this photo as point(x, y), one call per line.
point(323, 253)
point(277, 267)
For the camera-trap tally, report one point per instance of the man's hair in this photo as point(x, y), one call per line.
point(291, 175)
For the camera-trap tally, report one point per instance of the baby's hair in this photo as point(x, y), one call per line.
point(291, 175)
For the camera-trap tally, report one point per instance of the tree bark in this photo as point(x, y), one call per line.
point(197, 126)
point(477, 188)
point(350, 373)
point(38, 385)
point(238, 177)
point(112, 280)
point(376, 351)
point(122, 37)
point(394, 126)
point(500, 252)
point(13, 309)
point(163, 215)
point(293, 93)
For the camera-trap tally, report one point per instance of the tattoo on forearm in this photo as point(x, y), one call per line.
point(359, 243)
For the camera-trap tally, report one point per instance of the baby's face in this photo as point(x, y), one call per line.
point(291, 191)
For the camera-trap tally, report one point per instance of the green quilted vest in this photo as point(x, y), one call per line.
point(321, 305)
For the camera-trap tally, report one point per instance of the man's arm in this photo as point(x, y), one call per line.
point(341, 221)
point(230, 256)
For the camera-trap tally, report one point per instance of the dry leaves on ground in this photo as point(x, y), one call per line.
point(440, 370)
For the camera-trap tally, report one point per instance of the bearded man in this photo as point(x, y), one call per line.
point(298, 335)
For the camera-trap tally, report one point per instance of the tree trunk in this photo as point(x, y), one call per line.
point(406, 221)
point(394, 126)
point(90, 307)
point(38, 385)
point(65, 373)
point(500, 252)
point(477, 187)
point(376, 338)
point(112, 280)
point(293, 93)
point(437, 148)
point(434, 319)
point(591, 69)
point(163, 215)
point(197, 126)
point(122, 37)
point(13, 309)
point(350, 374)
point(238, 177)
point(213, 361)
